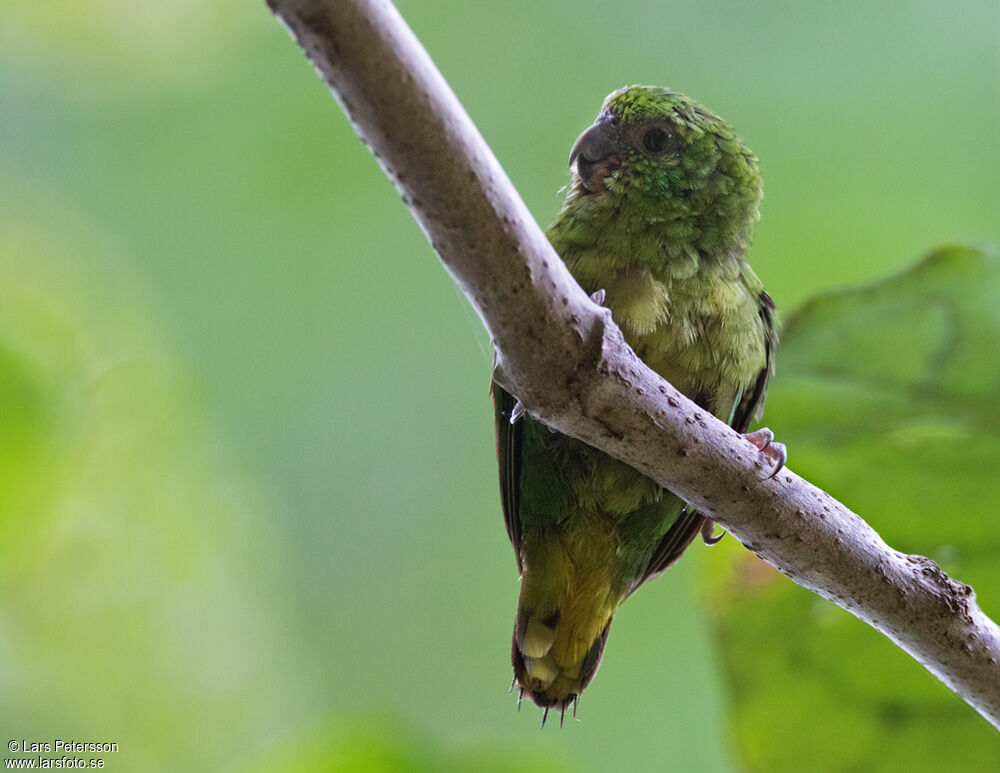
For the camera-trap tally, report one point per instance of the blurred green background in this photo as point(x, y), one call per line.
point(248, 507)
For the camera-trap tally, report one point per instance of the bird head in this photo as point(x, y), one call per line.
point(655, 154)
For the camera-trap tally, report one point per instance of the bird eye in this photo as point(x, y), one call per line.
point(655, 140)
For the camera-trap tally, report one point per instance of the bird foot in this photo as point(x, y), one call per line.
point(517, 412)
point(599, 297)
point(763, 440)
point(708, 532)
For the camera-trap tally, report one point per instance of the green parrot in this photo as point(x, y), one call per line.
point(656, 223)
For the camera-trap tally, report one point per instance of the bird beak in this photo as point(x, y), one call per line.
point(595, 144)
point(596, 155)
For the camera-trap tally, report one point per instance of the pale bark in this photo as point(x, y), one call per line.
point(563, 356)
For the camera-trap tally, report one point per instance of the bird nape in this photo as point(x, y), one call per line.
point(656, 224)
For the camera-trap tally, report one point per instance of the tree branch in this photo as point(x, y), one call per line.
point(569, 364)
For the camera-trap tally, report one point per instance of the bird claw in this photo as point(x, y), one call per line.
point(517, 412)
point(779, 453)
point(763, 440)
point(707, 533)
point(598, 297)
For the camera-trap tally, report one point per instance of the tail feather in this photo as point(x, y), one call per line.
point(550, 683)
point(564, 613)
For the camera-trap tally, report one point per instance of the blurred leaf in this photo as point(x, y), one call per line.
point(887, 396)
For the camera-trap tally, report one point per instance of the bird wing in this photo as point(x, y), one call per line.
point(670, 547)
point(509, 462)
point(752, 401)
point(690, 522)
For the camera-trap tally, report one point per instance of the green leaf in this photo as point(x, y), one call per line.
point(887, 396)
